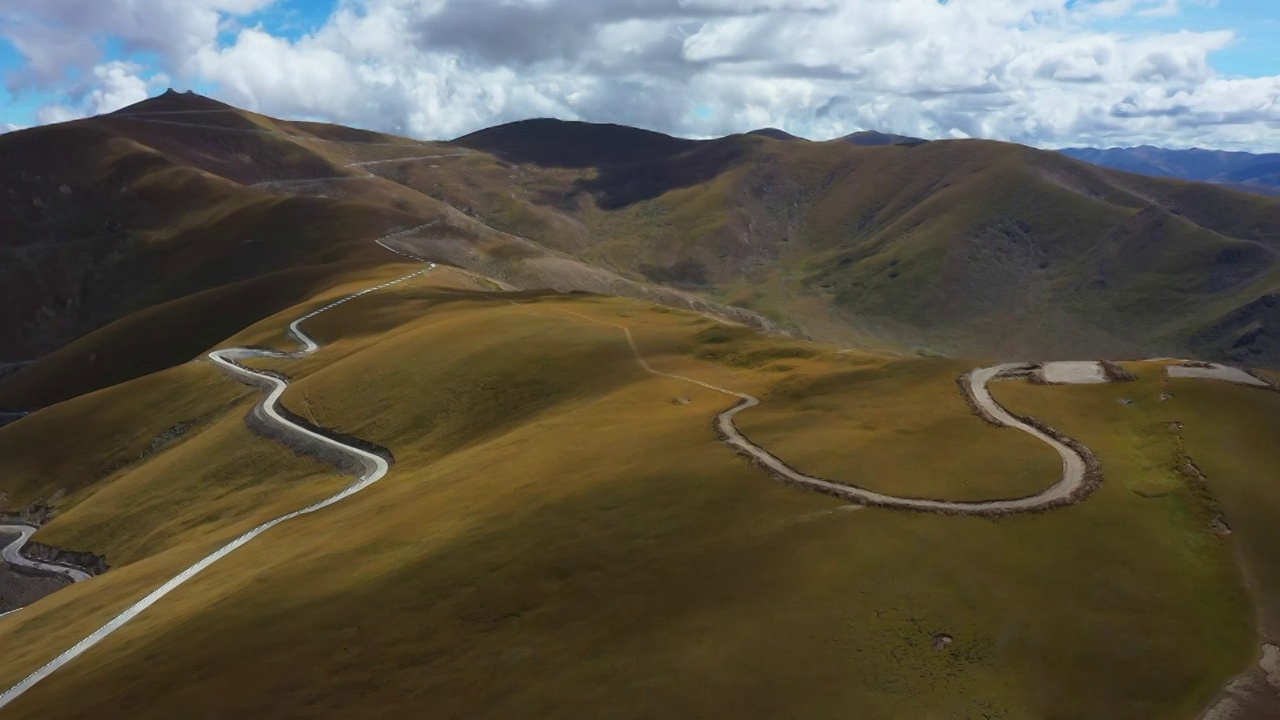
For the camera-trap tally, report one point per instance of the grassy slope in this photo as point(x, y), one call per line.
point(953, 247)
point(541, 473)
point(1230, 436)
point(956, 247)
point(964, 246)
point(122, 219)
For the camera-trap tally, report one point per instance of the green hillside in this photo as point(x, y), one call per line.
point(953, 247)
point(567, 528)
point(563, 536)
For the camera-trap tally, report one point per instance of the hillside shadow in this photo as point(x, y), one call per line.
point(632, 165)
point(618, 186)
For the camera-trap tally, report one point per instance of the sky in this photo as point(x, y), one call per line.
point(1050, 73)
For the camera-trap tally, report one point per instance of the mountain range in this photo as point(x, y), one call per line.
point(1252, 172)
point(955, 247)
point(565, 420)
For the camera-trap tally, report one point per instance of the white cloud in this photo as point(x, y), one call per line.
point(50, 114)
point(57, 35)
point(1036, 71)
point(114, 85)
point(119, 84)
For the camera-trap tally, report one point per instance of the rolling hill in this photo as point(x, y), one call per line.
point(562, 535)
point(558, 341)
point(951, 247)
point(185, 218)
point(947, 247)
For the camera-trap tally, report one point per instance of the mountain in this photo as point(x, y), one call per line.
point(185, 218)
point(775, 133)
point(572, 144)
point(565, 420)
point(959, 247)
point(1258, 173)
point(871, 138)
point(123, 225)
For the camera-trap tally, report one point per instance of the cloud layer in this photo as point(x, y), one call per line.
point(1044, 72)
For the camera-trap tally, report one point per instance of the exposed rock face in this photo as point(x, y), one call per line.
point(87, 561)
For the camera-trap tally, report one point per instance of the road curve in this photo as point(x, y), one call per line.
point(12, 555)
point(1074, 478)
point(375, 467)
point(1076, 481)
point(1072, 486)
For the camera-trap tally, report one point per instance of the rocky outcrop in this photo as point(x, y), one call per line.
point(86, 561)
point(1115, 372)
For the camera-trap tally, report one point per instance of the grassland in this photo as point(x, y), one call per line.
point(1230, 435)
point(960, 247)
point(562, 536)
point(119, 227)
point(124, 228)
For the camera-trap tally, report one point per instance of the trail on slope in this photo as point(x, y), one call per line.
point(302, 182)
point(375, 467)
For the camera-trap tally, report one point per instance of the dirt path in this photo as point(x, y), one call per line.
point(375, 467)
point(270, 185)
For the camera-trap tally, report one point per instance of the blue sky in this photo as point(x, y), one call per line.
point(289, 19)
point(1177, 73)
point(1255, 23)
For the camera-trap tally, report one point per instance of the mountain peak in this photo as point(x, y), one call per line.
point(174, 101)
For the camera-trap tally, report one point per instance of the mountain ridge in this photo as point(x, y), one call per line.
point(953, 247)
point(1252, 172)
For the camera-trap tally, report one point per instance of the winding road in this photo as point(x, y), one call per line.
point(1074, 483)
point(375, 467)
point(1079, 468)
point(12, 555)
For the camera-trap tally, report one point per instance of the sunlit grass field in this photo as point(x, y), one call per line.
point(563, 536)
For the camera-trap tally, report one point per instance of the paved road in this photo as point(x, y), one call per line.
point(375, 467)
point(1073, 463)
point(13, 557)
point(1071, 481)
point(370, 163)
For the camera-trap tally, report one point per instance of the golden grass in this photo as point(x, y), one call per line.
point(78, 445)
point(971, 247)
point(1230, 434)
point(561, 539)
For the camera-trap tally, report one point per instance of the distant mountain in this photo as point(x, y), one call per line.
point(775, 133)
point(1246, 171)
point(573, 144)
point(960, 247)
point(871, 138)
